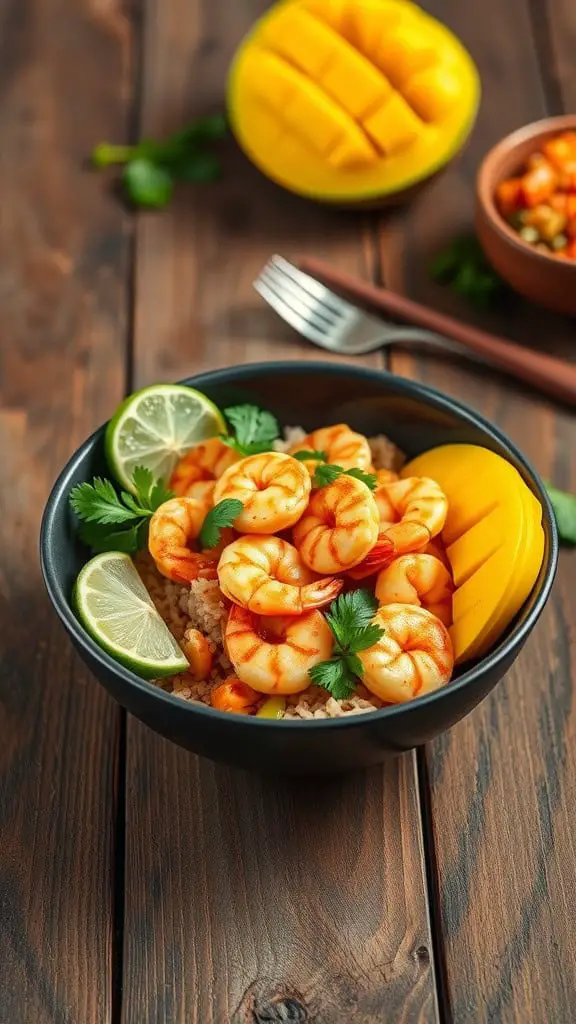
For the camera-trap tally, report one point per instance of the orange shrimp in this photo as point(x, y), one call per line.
point(234, 695)
point(413, 657)
point(342, 446)
point(273, 488)
point(204, 462)
point(417, 579)
point(339, 527)
point(174, 529)
point(275, 655)
point(412, 512)
point(267, 575)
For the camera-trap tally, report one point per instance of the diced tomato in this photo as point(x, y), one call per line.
point(560, 151)
point(570, 228)
point(559, 202)
point(539, 184)
point(570, 205)
point(570, 249)
point(509, 196)
point(567, 178)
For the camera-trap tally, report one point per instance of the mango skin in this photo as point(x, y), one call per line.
point(353, 102)
point(494, 541)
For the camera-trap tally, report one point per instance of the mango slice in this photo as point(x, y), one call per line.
point(494, 540)
point(349, 100)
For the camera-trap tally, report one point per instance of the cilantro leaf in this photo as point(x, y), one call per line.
point(99, 538)
point(255, 429)
point(327, 473)
point(335, 677)
point(196, 166)
point(310, 456)
point(564, 506)
point(98, 503)
point(350, 619)
point(147, 183)
point(223, 514)
point(117, 522)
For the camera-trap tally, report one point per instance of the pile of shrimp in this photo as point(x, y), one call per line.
point(294, 548)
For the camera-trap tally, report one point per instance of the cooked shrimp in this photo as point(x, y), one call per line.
point(273, 487)
point(412, 512)
point(342, 446)
point(339, 527)
point(275, 655)
point(385, 476)
point(234, 695)
point(199, 653)
point(174, 528)
point(267, 575)
point(418, 579)
point(202, 490)
point(413, 657)
point(436, 548)
point(206, 461)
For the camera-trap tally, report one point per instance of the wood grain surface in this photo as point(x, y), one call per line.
point(63, 261)
point(243, 897)
point(499, 782)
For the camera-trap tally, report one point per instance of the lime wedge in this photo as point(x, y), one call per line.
point(116, 609)
point(155, 427)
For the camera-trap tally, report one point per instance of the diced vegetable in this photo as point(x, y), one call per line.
point(234, 695)
point(540, 203)
point(273, 707)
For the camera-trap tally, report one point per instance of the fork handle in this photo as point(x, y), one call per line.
point(552, 376)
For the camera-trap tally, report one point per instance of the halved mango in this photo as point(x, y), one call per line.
point(397, 83)
point(494, 540)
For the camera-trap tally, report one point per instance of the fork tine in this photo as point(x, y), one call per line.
point(312, 286)
point(306, 305)
point(299, 323)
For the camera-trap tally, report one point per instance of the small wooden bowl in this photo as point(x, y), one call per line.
point(539, 277)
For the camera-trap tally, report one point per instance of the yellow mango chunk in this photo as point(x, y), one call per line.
point(404, 51)
point(433, 92)
point(393, 126)
point(306, 110)
point(333, 63)
point(494, 540)
point(358, 65)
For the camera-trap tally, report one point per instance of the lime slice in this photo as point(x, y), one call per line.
point(155, 427)
point(116, 609)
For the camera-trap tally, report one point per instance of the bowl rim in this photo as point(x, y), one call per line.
point(486, 196)
point(248, 371)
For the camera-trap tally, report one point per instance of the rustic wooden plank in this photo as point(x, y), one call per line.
point(247, 899)
point(63, 84)
point(500, 782)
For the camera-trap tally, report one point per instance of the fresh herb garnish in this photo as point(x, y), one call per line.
point(564, 506)
point(117, 522)
point(464, 267)
point(255, 429)
point(223, 514)
point(311, 456)
point(152, 168)
point(327, 473)
point(350, 619)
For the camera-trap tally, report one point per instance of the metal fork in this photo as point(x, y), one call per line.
point(329, 321)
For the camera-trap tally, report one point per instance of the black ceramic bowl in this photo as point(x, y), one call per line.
point(308, 394)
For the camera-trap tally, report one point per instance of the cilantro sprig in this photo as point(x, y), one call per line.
point(564, 505)
point(222, 515)
point(310, 456)
point(255, 429)
point(463, 267)
point(350, 619)
point(327, 473)
point(117, 522)
point(151, 168)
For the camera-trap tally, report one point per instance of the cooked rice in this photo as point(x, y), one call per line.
point(201, 606)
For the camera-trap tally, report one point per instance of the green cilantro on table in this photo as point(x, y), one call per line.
point(117, 522)
point(222, 515)
point(464, 268)
point(350, 619)
point(326, 473)
point(151, 168)
point(564, 506)
point(255, 429)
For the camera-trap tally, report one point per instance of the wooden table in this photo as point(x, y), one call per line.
point(137, 883)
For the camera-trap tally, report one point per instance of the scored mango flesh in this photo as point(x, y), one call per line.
point(351, 99)
point(494, 540)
